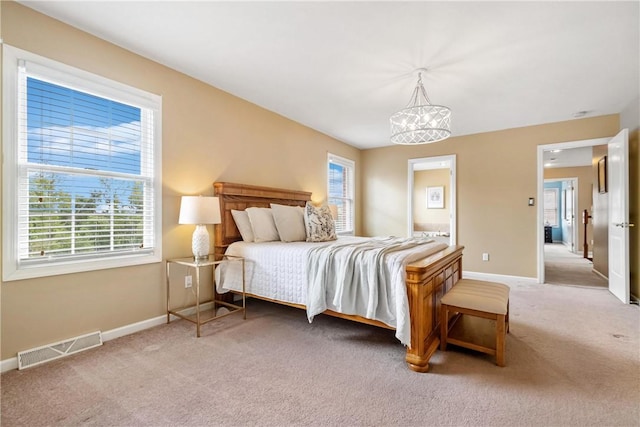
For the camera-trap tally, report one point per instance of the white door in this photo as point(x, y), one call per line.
point(618, 189)
point(569, 223)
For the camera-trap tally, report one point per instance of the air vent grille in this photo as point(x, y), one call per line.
point(46, 353)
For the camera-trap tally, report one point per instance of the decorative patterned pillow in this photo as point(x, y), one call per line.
point(319, 223)
point(289, 222)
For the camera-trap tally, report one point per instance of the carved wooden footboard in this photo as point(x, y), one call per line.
point(427, 279)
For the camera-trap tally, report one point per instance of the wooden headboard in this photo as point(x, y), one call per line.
point(241, 196)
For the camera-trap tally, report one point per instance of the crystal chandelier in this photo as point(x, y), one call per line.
point(420, 122)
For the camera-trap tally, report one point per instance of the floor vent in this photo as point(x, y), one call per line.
point(46, 353)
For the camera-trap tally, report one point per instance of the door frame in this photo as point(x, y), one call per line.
point(540, 189)
point(453, 217)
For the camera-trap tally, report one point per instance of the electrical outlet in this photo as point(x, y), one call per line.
point(485, 256)
point(188, 281)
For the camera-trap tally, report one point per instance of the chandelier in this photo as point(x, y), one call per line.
point(420, 122)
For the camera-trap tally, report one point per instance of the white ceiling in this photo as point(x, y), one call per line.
point(572, 157)
point(343, 68)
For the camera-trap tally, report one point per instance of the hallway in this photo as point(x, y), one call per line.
point(562, 267)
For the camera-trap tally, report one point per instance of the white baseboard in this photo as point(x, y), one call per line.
point(496, 277)
point(597, 273)
point(10, 364)
point(134, 327)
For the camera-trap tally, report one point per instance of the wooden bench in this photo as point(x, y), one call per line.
point(478, 299)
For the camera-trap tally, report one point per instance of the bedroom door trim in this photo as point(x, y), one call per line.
point(540, 189)
point(451, 194)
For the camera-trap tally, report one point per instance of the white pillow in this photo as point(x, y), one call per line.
point(262, 224)
point(319, 223)
point(289, 222)
point(241, 219)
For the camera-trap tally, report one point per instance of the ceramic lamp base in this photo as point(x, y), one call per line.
point(200, 242)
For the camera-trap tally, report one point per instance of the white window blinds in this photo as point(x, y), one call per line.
point(87, 170)
point(551, 207)
point(341, 176)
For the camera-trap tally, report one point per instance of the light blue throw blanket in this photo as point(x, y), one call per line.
point(366, 278)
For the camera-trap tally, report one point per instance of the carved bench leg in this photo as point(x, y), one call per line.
point(500, 339)
point(507, 318)
point(444, 326)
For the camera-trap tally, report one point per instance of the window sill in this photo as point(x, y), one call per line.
point(70, 267)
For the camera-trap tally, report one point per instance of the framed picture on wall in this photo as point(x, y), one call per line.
point(435, 197)
point(602, 175)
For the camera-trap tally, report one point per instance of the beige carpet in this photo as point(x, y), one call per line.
point(561, 267)
point(572, 360)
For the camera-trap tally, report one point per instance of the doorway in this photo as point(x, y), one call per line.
point(566, 173)
point(431, 208)
point(567, 259)
point(561, 211)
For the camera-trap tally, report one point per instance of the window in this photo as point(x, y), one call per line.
point(82, 170)
point(551, 207)
point(341, 184)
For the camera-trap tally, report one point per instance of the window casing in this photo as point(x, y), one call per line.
point(341, 190)
point(81, 180)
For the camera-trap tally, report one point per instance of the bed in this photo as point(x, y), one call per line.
point(427, 279)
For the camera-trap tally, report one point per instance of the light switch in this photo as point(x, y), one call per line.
point(532, 201)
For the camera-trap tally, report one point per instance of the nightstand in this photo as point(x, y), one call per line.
point(195, 313)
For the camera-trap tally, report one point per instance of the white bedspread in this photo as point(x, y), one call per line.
point(367, 278)
point(353, 275)
point(275, 270)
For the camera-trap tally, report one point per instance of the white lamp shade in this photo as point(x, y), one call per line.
point(199, 210)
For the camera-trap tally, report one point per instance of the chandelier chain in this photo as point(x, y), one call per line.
point(419, 90)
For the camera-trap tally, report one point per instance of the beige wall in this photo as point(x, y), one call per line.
point(422, 180)
point(496, 174)
point(634, 211)
point(208, 135)
point(585, 178)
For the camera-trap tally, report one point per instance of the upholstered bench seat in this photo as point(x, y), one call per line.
point(479, 295)
point(476, 298)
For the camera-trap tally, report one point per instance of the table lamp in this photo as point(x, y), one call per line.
point(199, 210)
